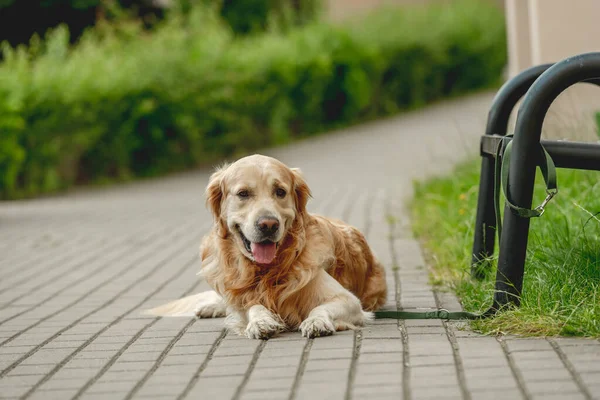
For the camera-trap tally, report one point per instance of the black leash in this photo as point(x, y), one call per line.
point(548, 169)
point(430, 314)
point(503, 152)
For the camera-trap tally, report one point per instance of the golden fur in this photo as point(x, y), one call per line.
point(293, 284)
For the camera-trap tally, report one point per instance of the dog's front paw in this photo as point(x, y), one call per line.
point(264, 328)
point(317, 326)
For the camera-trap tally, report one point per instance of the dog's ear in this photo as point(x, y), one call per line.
point(301, 191)
point(215, 196)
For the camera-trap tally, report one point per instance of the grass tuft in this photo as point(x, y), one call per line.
point(561, 288)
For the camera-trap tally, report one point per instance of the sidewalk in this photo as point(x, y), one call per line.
point(77, 270)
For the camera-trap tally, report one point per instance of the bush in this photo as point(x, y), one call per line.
point(35, 17)
point(124, 103)
point(257, 16)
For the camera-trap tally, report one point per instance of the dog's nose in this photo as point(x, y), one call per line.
point(267, 225)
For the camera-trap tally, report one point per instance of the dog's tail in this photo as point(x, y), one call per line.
point(184, 307)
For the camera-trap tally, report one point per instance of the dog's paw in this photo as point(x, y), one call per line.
point(317, 326)
point(263, 328)
point(210, 309)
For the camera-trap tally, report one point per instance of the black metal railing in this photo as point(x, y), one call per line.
point(540, 85)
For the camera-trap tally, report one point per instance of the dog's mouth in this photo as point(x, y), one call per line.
point(262, 252)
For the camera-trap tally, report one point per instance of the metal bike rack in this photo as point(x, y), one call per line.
point(540, 85)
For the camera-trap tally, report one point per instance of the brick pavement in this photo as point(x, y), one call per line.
point(77, 269)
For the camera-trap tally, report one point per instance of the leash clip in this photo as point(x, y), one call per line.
point(442, 313)
point(542, 207)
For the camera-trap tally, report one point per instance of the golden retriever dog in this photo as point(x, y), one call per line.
point(275, 267)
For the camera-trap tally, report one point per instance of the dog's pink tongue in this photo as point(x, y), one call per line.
point(263, 253)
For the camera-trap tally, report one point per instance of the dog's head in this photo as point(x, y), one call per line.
point(255, 202)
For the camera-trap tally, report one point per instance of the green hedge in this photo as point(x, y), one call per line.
point(257, 16)
point(122, 104)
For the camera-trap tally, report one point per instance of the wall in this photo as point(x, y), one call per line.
point(341, 9)
point(547, 31)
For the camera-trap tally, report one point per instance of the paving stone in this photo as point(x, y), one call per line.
point(381, 332)
point(495, 383)
point(594, 389)
point(123, 376)
point(381, 346)
point(225, 370)
point(275, 372)
point(190, 350)
point(418, 361)
point(282, 362)
point(380, 368)
point(270, 394)
point(529, 363)
point(335, 375)
point(270, 352)
point(379, 358)
point(263, 383)
point(132, 366)
point(546, 355)
point(432, 372)
point(427, 330)
point(49, 356)
point(111, 387)
point(546, 374)
point(215, 387)
point(370, 390)
point(20, 380)
point(485, 362)
point(15, 349)
point(32, 369)
point(556, 396)
point(496, 394)
point(183, 359)
point(320, 391)
point(231, 360)
point(54, 394)
point(551, 386)
point(580, 342)
point(342, 354)
point(582, 357)
point(449, 392)
point(165, 377)
point(10, 390)
point(62, 384)
point(388, 378)
point(515, 345)
point(165, 391)
point(488, 373)
point(586, 366)
point(247, 349)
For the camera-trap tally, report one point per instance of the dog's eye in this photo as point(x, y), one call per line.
point(280, 193)
point(243, 194)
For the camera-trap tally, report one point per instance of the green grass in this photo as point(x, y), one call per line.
point(561, 288)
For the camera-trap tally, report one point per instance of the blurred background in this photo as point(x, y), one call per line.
point(95, 91)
